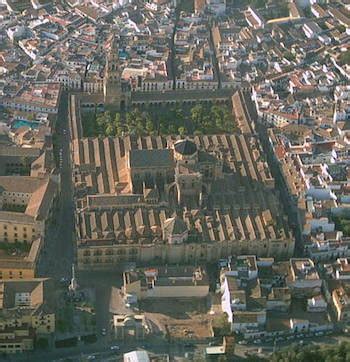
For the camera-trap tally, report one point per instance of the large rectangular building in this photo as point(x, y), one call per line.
point(227, 176)
point(172, 200)
point(39, 98)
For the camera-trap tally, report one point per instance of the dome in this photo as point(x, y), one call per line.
point(185, 147)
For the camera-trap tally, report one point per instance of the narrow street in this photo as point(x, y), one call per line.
point(58, 253)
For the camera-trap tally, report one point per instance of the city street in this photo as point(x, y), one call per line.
point(102, 349)
point(58, 253)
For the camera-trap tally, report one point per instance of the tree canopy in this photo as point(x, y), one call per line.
point(344, 58)
point(342, 224)
point(200, 120)
point(314, 353)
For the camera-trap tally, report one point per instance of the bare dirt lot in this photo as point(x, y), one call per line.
point(179, 319)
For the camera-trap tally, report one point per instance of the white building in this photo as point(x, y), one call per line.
point(136, 356)
point(316, 304)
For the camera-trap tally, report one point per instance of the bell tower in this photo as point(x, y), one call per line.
point(112, 83)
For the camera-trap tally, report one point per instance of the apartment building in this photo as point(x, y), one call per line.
point(26, 205)
point(341, 303)
point(20, 264)
point(303, 278)
point(26, 311)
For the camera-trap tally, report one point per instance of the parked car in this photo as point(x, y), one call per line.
point(115, 348)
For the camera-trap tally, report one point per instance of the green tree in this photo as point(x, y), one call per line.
point(130, 123)
point(182, 131)
point(197, 114)
point(289, 56)
point(149, 126)
point(217, 117)
point(163, 129)
point(344, 58)
point(229, 121)
point(118, 125)
point(110, 130)
point(341, 28)
point(102, 121)
point(221, 326)
point(312, 353)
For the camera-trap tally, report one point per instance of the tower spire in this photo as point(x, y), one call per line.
point(115, 97)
